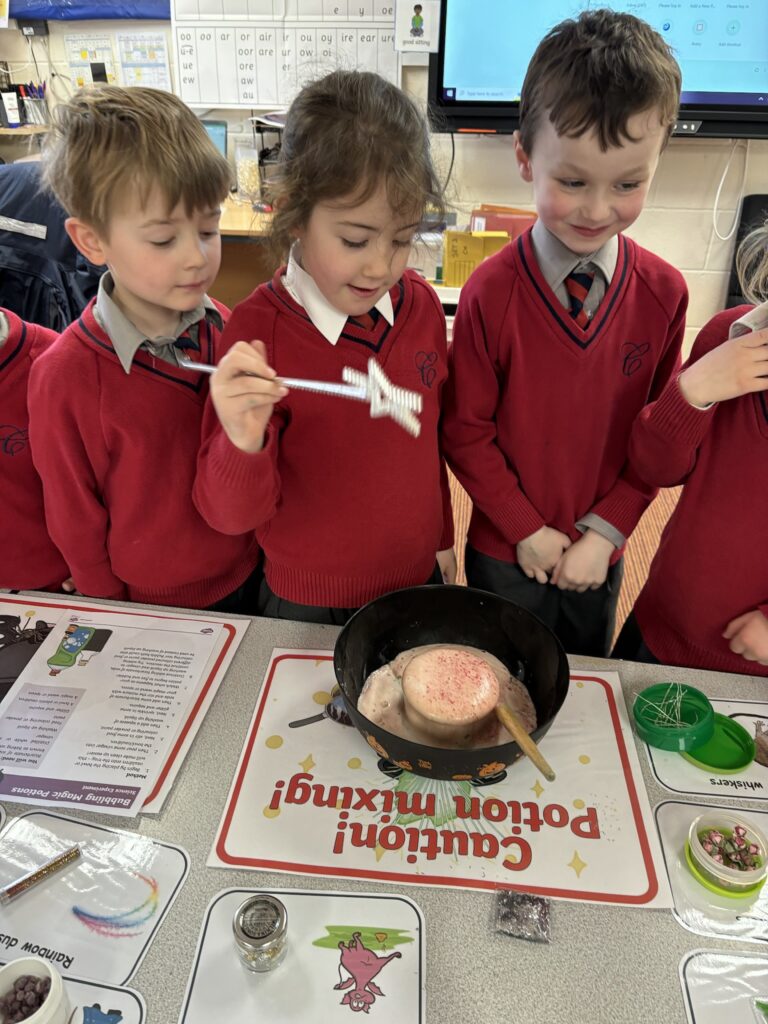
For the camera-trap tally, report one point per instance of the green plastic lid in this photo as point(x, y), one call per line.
point(720, 890)
point(692, 722)
point(730, 749)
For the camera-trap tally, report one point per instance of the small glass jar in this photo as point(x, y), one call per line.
point(260, 928)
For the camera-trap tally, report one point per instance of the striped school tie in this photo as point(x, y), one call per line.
point(187, 344)
point(577, 284)
point(366, 320)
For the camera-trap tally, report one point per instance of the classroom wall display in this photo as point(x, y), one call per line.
point(83, 10)
point(259, 53)
point(143, 59)
point(90, 60)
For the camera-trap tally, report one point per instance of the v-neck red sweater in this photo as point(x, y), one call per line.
point(712, 562)
point(28, 558)
point(538, 412)
point(346, 507)
point(117, 454)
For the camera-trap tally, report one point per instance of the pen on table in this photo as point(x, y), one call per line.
point(21, 885)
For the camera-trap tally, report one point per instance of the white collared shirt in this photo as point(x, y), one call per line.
point(326, 318)
point(755, 320)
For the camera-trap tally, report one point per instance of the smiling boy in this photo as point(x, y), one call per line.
point(114, 418)
point(562, 337)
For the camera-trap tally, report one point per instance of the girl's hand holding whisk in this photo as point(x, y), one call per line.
point(737, 367)
point(244, 390)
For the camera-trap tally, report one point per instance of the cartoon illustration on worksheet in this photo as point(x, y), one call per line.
point(20, 636)
point(358, 964)
point(362, 965)
point(77, 646)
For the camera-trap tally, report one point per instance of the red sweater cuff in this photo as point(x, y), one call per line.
point(622, 507)
point(677, 419)
point(237, 491)
point(238, 469)
point(517, 519)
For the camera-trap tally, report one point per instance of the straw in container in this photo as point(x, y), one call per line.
point(673, 716)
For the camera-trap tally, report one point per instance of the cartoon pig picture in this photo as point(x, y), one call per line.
point(362, 964)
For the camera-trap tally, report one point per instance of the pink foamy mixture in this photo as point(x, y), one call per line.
point(381, 700)
point(450, 686)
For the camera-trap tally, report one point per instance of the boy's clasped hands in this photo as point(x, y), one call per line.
point(549, 556)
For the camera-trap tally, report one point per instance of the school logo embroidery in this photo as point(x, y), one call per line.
point(634, 354)
point(12, 439)
point(425, 364)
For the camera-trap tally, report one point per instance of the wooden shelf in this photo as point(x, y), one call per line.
point(25, 130)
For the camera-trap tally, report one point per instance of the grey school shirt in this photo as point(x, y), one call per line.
point(127, 339)
point(556, 262)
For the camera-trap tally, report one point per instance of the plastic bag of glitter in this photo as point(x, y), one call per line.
point(523, 916)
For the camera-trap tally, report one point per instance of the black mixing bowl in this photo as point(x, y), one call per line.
point(450, 615)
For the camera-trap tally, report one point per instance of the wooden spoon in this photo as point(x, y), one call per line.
point(454, 714)
point(516, 729)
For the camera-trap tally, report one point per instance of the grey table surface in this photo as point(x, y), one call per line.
point(604, 965)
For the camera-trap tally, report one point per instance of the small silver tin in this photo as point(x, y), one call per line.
point(260, 928)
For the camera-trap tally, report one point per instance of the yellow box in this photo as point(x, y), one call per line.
point(463, 251)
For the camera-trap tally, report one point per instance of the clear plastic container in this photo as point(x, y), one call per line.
point(718, 877)
point(247, 173)
point(56, 1008)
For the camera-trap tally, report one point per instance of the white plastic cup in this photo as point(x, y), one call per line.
point(56, 1009)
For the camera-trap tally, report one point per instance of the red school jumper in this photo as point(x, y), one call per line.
point(538, 412)
point(346, 507)
point(712, 562)
point(117, 454)
point(28, 559)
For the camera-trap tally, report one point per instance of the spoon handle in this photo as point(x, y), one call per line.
point(516, 729)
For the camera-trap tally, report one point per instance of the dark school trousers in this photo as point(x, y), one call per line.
point(273, 607)
point(244, 600)
point(584, 623)
point(630, 645)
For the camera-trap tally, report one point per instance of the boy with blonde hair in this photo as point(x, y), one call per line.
point(563, 336)
point(114, 418)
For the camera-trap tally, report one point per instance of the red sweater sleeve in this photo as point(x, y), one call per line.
point(667, 433)
point(68, 452)
point(472, 396)
point(235, 491)
point(632, 493)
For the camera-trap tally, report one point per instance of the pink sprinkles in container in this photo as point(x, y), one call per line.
point(731, 848)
